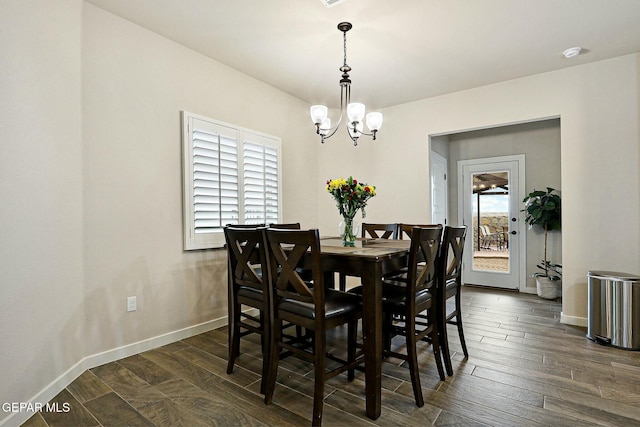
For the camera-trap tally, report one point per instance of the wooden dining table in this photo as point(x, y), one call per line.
point(371, 260)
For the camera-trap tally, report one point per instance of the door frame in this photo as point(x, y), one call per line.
point(437, 158)
point(522, 229)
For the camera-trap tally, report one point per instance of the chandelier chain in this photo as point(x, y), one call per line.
point(344, 37)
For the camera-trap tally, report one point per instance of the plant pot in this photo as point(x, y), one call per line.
point(547, 288)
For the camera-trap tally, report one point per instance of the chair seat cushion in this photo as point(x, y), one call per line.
point(250, 293)
point(450, 287)
point(393, 293)
point(337, 303)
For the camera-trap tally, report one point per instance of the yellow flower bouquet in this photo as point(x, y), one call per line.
point(350, 196)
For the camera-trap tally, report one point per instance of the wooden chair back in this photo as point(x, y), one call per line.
point(421, 268)
point(286, 226)
point(449, 286)
point(450, 260)
point(380, 231)
point(294, 251)
point(247, 257)
point(405, 230)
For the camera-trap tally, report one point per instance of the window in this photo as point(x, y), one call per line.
point(231, 176)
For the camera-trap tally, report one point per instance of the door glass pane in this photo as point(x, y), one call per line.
point(490, 214)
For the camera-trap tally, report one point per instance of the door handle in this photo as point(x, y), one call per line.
point(514, 232)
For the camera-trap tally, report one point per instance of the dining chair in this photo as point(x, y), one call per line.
point(248, 285)
point(315, 308)
point(387, 231)
point(286, 226)
point(405, 230)
point(409, 305)
point(449, 277)
point(245, 225)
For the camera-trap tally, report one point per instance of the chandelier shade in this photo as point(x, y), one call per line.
point(355, 111)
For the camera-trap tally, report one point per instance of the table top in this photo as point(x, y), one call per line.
point(366, 248)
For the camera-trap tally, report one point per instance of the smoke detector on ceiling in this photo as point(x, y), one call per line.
point(331, 3)
point(571, 52)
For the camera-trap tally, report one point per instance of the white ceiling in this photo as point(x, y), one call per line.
point(399, 50)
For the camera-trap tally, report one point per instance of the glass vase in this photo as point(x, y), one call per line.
point(348, 229)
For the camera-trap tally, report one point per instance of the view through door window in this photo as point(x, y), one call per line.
point(490, 207)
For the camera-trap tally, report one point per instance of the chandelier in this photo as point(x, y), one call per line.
point(355, 110)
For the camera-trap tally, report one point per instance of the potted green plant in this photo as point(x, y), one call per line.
point(544, 209)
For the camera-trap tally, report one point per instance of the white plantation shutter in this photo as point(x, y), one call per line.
point(215, 181)
point(225, 183)
point(260, 177)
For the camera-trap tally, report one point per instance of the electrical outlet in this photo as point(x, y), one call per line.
point(131, 303)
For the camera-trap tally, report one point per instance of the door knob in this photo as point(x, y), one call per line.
point(514, 232)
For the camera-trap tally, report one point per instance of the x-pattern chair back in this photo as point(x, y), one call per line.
point(406, 230)
point(387, 231)
point(452, 247)
point(425, 244)
point(449, 287)
point(247, 256)
point(289, 249)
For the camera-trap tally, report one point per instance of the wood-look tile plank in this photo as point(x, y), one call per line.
point(621, 396)
point(302, 405)
point(204, 342)
point(128, 385)
point(509, 405)
point(577, 396)
point(468, 409)
point(167, 413)
point(492, 388)
point(146, 369)
point(354, 392)
point(76, 415)
point(87, 386)
point(588, 413)
point(484, 366)
point(609, 380)
point(248, 399)
point(627, 370)
point(526, 364)
point(182, 369)
point(112, 410)
point(447, 418)
point(220, 408)
point(35, 420)
point(218, 366)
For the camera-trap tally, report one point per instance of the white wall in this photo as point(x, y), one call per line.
point(598, 107)
point(41, 269)
point(135, 85)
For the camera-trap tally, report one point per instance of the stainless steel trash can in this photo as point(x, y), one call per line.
point(614, 309)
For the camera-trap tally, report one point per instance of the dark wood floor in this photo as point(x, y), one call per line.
point(525, 368)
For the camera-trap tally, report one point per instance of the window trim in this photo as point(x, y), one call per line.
point(215, 239)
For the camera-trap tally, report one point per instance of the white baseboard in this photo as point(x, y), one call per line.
point(60, 383)
point(573, 320)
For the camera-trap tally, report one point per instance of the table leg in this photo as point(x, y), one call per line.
point(372, 336)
